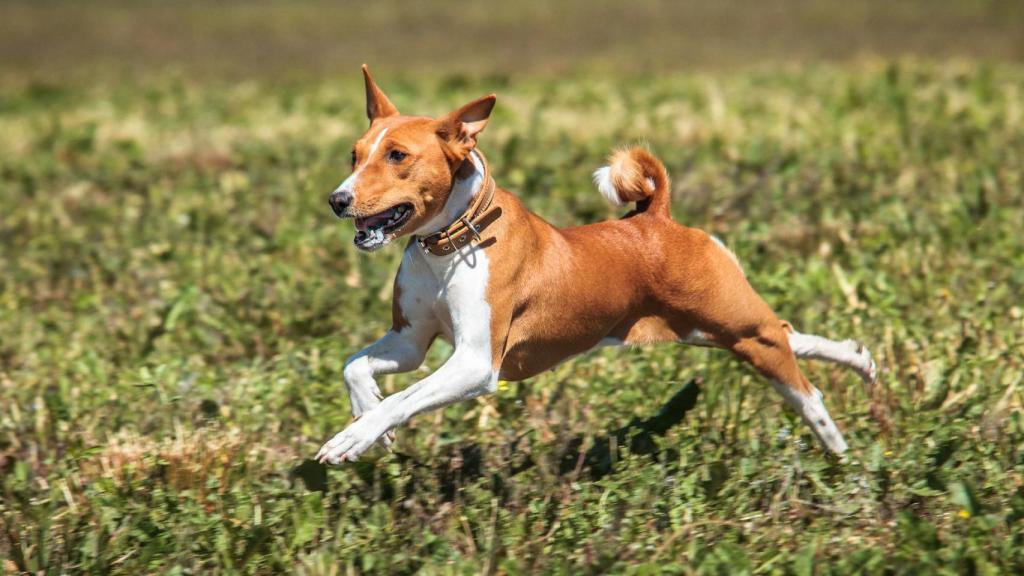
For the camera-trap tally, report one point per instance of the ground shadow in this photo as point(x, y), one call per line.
point(465, 461)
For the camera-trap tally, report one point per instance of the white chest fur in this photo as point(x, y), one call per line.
point(455, 287)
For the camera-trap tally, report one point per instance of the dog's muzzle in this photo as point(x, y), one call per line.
point(340, 200)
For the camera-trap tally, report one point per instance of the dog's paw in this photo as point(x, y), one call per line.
point(867, 369)
point(352, 442)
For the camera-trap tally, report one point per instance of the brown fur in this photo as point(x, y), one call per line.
point(436, 152)
point(630, 170)
point(558, 292)
point(424, 183)
point(642, 279)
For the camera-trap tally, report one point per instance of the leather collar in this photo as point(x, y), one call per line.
point(469, 225)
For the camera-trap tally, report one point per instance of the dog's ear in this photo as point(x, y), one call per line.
point(377, 104)
point(460, 128)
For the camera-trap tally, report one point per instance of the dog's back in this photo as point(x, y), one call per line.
point(640, 279)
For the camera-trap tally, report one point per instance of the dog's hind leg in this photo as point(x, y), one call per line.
point(849, 353)
point(769, 352)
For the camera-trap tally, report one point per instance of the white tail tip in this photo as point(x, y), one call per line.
point(603, 181)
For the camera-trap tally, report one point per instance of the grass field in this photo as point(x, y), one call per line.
point(177, 302)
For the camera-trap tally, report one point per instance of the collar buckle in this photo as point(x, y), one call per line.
point(472, 227)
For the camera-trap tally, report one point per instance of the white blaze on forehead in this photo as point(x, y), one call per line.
point(376, 143)
point(349, 185)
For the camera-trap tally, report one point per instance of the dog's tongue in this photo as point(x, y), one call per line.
point(368, 222)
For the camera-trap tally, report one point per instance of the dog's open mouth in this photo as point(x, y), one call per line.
point(377, 230)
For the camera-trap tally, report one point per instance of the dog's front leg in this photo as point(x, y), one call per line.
point(465, 375)
point(396, 351)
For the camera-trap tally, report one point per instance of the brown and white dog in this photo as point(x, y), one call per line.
point(516, 296)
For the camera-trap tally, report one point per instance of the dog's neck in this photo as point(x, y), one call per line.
point(464, 190)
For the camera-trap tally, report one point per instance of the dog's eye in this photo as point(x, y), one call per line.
point(353, 158)
point(396, 156)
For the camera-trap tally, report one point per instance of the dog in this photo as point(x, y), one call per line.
point(516, 296)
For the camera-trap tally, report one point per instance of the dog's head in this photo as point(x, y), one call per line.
point(403, 167)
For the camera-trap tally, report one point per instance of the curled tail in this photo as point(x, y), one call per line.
point(635, 175)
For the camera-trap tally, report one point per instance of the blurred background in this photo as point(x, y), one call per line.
point(275, 38)
point(177, 300)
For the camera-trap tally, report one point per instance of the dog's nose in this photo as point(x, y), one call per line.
point(340, 201)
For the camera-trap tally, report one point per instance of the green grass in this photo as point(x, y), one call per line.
point(177, 301)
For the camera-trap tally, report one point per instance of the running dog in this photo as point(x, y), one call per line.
point(515, 296)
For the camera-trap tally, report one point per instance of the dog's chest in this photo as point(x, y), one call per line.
point(450, 289)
